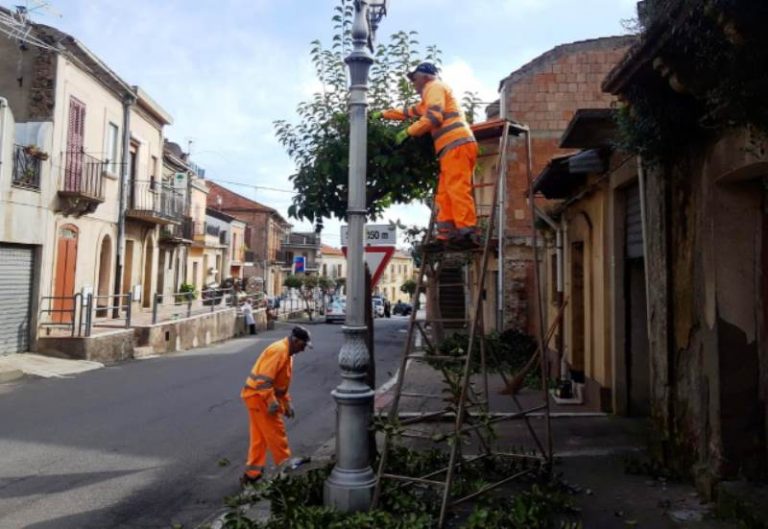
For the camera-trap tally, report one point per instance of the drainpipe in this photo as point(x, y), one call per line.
point(644, 227)
point(128, 102)
point(3, 106)
point(502, 202)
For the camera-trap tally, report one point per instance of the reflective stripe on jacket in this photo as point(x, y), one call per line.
point(271, 375)
point(438, 113)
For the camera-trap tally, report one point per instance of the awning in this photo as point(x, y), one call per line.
point(564, 175)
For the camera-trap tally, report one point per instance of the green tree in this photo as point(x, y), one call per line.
point(319, 142)
point(409, 287)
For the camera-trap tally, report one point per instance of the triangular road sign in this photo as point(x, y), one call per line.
point(377, 258)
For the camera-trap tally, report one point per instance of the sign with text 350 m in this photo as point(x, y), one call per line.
point(375, 235)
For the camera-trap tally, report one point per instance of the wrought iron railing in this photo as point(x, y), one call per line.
point(184, 230)
point(152, 198)
point(83, 174)
point(26, 167)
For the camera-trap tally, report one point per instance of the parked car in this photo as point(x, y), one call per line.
point(336, 311)
point(378, 307)
point(402, 308)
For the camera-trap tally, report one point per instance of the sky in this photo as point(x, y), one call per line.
point(227, 69)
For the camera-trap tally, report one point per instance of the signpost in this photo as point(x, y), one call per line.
point(380, 241)
point(375, 235)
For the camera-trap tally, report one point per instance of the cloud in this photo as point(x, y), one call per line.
point(461, 78)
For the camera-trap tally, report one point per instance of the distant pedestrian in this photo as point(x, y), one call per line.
point(387, 308)
point(266, 396)
point(247, 309)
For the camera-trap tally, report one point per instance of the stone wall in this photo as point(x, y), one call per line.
point(107, 348)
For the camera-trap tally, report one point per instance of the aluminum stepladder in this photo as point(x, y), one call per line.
point(469, 399)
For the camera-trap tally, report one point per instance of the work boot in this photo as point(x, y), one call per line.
point(246, 480)
point(465, 240)
point(436, 246)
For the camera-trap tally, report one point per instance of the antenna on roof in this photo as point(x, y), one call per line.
point(17, 25)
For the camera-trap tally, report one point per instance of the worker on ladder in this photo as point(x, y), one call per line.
point(265, 395)
point(456, 149)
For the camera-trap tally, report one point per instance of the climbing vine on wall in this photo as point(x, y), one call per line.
point(710, 75)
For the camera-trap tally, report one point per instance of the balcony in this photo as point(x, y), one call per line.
point(182, 233)
point(153, 202)
point(26, 167)
point(301, 240)
point(82, 186)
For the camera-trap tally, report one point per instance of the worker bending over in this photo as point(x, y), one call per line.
point(440, 114)
point(266, 396)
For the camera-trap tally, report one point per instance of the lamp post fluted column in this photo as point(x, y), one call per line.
point(350, 486)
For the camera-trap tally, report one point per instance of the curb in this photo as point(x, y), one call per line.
point(9, 375)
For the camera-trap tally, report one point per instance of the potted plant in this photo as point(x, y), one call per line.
point(35, 152)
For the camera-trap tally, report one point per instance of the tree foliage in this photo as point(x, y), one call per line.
point(709, 76)
point(319, 142)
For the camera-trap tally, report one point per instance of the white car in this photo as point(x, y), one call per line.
point(336, 311)
point(378, 307)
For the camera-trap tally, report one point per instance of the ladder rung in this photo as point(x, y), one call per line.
point(415, 480)
point(421, 395)
point(439, 358)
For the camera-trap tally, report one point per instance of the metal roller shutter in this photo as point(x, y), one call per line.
point(16, 273)
point(634, 225)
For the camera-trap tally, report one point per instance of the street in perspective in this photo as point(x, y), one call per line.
point(378, 264)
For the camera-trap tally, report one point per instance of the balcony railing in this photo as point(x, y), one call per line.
point(82, 183)
point(160, 203)
point(179, 233)
point(26, 168)
point(83, 175)
point(301, 239)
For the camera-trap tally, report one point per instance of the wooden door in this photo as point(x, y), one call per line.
point(66, 265)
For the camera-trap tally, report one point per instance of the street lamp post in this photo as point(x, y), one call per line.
point(350, 486)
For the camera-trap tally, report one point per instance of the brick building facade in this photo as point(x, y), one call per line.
point(544, 95)
point(265, 231)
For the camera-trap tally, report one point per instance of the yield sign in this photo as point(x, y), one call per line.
point(377, 258)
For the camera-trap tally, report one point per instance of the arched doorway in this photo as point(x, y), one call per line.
point(149, 255)
point(105, 269)
point(66, 265)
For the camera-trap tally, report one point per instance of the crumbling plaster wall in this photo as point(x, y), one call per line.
point(703, 244)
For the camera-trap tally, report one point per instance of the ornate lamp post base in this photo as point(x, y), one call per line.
point(350, 486)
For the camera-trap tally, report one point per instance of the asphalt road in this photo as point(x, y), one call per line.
point(156, 442)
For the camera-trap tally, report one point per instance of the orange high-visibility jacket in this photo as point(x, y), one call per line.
point(271, 375)
point(438, 113)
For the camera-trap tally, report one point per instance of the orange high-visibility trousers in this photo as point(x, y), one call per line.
point(455, 201)
point(267, 432)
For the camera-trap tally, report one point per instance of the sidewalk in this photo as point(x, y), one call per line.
point(15, 366)
point(591, 451)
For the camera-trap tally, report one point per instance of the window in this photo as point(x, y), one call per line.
point(112, 150)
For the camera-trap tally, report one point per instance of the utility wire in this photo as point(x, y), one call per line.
point(219, 181)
